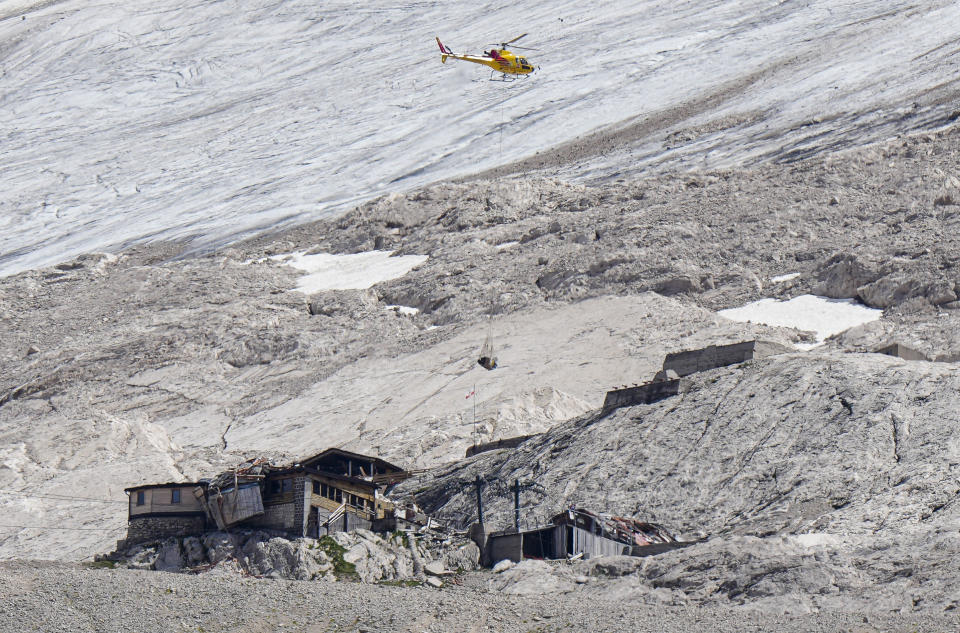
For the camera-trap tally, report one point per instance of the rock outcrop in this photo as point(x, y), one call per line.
point(799, 470)
point(359, 555)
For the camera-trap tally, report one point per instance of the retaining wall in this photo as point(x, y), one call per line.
point(642, 394)
point(694, 361)
point(143, 529)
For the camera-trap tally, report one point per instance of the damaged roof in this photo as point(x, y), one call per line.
point(172, 484)
point(381, 464)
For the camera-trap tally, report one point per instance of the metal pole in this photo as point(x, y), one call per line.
point(476, 432)
point(516, 504)
point(479, 483)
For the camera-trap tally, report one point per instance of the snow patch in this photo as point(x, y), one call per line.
point(817, 539)
point(359, 271)
point(787, 277)
point(822, 315)
point(407, 310)
point(506, 245)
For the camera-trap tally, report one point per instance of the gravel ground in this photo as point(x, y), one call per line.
point(61, 597)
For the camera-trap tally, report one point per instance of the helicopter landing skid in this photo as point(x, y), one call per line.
point(507, 78)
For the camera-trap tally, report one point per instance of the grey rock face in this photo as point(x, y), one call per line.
point(616, 565)
point(847, 456)
point(897, 288)
point(533, 577)
point(169, 556)
point(373, 558)
point(466, 558)
point(841, 276)
point(219, 546)
point(193, 551)
point(141, 557)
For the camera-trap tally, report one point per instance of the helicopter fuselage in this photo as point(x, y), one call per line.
point(500, 60)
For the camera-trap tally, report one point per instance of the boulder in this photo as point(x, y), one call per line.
point(503, 566)
point(842, 275)
point(615, 566)
point(280, 558)
point(219, 546)
point(193, 551)
point(466, 557)
point(169, 556)
point(533, 577)
point(376, 559)
point(307, 564)
point(555, 280)
point(141, 557)
point(941, 292)
point(259, 348)
point(681, 284)
point(343, 303)
point(897, 288)
point(436, 568)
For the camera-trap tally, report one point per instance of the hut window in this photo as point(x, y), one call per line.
point(316, 487)
point(330, 492)
point(279, 486)
point(175, 495)
point(140, 499)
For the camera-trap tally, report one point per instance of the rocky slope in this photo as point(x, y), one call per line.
point(149, 366)
point(831, 476)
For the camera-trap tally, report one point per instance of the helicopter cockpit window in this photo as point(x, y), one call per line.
point(523, 61)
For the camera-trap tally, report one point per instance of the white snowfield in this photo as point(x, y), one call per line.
point(144, 120)
point(356, 271)
point(821, 315)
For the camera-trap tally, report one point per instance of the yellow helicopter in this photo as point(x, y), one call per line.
point(509, 65)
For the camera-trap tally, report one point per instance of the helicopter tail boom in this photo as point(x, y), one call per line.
point(444, 50)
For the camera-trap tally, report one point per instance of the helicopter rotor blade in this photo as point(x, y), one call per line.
point(504, 44)
point(524, 48)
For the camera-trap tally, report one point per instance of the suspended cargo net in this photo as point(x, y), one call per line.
point(487, 359)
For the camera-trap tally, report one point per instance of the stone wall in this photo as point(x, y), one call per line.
point(509, 442)
point(642, 394)
point(302, 491)
point(691, 362)
point(157, 528)
point(902, 351)
point(276, 516)
point(290, 515)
